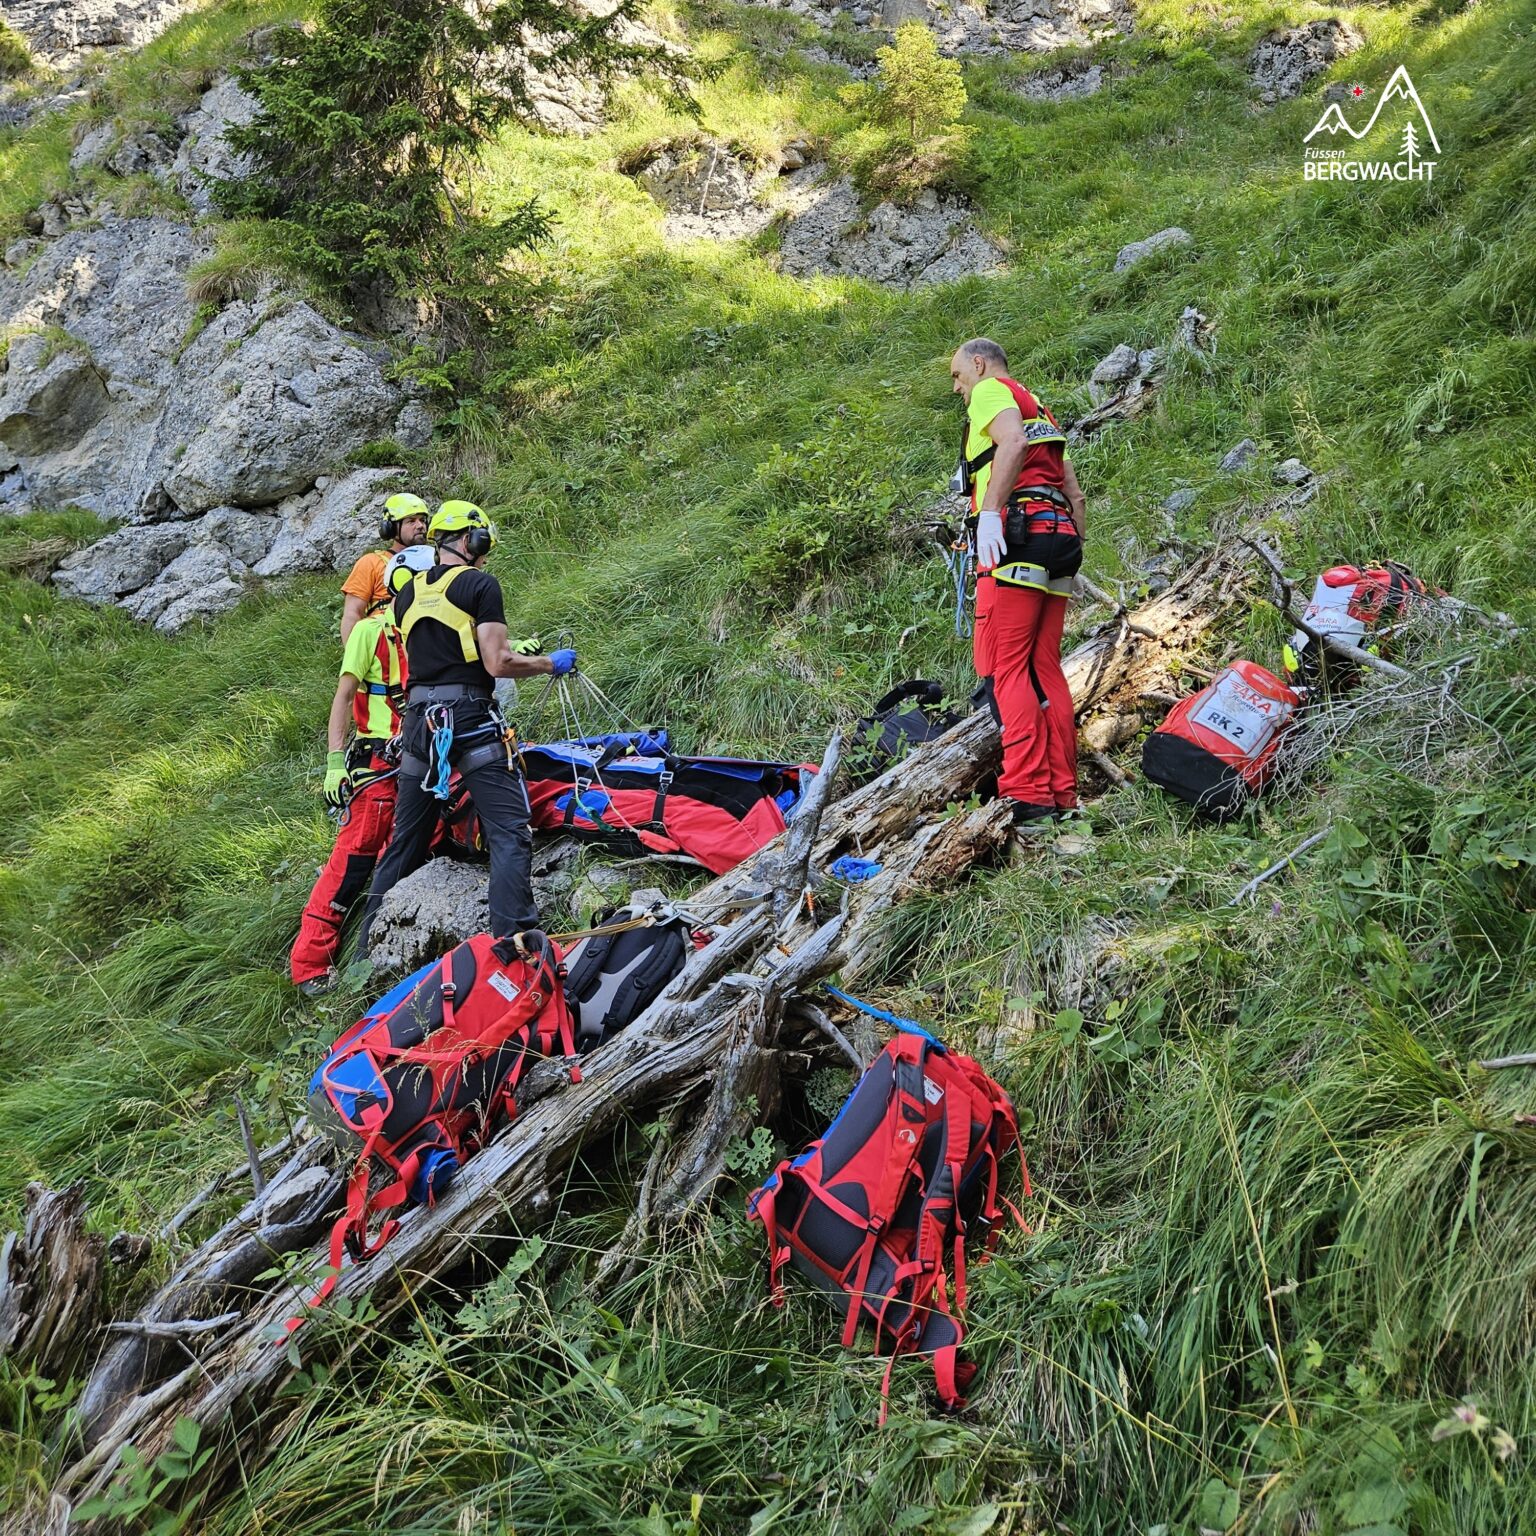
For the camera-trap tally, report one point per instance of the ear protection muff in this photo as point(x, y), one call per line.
point(478, 542)
point(389, 528)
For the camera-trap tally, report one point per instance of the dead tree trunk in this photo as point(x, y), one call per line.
point(50, 1282)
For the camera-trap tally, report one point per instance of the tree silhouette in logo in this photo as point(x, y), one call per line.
point(1410, 144)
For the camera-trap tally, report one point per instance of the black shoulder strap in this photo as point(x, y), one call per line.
point(924, 690)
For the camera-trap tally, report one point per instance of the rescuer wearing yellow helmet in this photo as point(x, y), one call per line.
point(402, 525)
point(453, 621)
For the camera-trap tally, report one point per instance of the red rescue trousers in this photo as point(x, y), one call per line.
point(1017, 649)
point(361, 838)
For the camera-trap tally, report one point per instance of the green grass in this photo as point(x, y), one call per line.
point(1282, 1224)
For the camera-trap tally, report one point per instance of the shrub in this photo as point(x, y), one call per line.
point(910, 138)
point(15, 56)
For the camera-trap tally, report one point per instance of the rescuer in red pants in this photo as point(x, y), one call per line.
point(359, 781)
point(1029, 546)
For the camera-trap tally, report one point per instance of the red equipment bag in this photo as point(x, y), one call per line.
point(633, 794)
point(883, 1206)
point(1348, 604)
point(421, 1081)
point(1217, 748)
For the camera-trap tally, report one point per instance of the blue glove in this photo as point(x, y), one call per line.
point(564, 662)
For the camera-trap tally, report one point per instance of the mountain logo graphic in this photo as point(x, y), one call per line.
point(1329, 164)
point(1399, 87)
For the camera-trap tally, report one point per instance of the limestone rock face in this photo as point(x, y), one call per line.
point(203, 155)
point(113, 399)
point(274, 405)
point(1164, 240)
point(1071, 81)
point(962, 27)
point(61, 32)
point(1284, 62)
point(932, 242)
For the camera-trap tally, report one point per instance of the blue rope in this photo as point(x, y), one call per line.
point(959, 563)
point(442, 748)
point(910, 1025)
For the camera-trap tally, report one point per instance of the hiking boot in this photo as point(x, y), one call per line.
point(1033, 824)
point(318, 986)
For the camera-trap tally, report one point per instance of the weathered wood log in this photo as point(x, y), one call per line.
point(50, 1282)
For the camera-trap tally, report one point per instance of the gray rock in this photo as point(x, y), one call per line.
point(1163, 241)
point(94, 147)
point(122, 563)
point(20, 251)
point(1126, 373)
point(1285, 61)
point(428, 912)
point(61, 32)
point(328, 529)
point(292, 397)
point(203, 156)
point(1179, 501)
point(710, 190)
point(1194, 333)
point(1067, 82)
point(1290, 472)
point(1240, 457)
point(1112, 373)
point(248, 412)
point(142, 153)
point(413, 426)
point(204, 580)
point(247, 536)
point(897, 247)
point(998, 28)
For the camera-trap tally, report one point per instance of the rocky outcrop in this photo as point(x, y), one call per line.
point(190, 155)
point(169, 574)
point(1285, 61)
point(113, 399)
point(1239, 457)
point(1160, 244)
point(1070, 81)
point(935, 241)
point(61, 32)
point(718, 191)
point(1008, 26)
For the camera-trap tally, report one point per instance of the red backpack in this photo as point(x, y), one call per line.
point(420, 1082)
point(1217, 748)
point(1348, 604)
point(884, 1205)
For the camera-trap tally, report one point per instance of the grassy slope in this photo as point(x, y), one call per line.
point(1280, 1233)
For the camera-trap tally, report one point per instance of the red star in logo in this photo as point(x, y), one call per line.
point(1357, 91)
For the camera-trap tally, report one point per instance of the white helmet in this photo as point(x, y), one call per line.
point(406, 563)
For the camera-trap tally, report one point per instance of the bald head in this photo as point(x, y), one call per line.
point(975, 360)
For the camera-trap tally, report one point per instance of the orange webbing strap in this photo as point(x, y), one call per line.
point(764, 1210)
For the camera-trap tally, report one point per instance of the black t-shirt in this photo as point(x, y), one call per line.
point(433, 652)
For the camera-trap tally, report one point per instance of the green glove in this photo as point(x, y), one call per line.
point(337, 786)
point(528, 647)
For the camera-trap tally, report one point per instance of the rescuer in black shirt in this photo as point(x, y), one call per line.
point(454, 625)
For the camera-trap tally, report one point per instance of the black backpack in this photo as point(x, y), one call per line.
point(611, 978)
point(889, 731)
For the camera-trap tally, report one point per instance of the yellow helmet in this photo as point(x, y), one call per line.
point(403, 566)
point(397, 509)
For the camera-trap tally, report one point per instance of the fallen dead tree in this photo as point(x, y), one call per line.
point(705, 1053)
